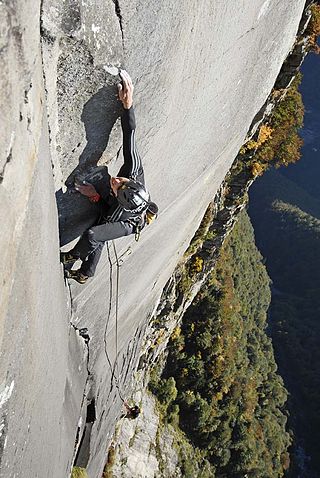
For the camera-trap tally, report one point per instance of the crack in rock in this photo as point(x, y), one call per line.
point(83, 333)
point(118, 13)
point(8, 159)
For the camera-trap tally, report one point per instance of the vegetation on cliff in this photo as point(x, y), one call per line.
point(278, 142)
point(220, 384)
point(78, 472)
point(313, 30)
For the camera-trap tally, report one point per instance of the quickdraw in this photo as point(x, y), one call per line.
point(137, 233)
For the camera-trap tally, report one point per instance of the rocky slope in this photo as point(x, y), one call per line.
point(200, 79)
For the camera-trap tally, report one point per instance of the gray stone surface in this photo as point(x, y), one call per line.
point(202, 71)
point(43, 362)
point(143, 447)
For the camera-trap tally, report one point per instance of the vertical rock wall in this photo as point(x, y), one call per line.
point(39, 402)
point(22, 96)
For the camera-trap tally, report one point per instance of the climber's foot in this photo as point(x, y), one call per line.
point(77, 275)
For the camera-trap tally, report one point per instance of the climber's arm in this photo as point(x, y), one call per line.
point(132, 167)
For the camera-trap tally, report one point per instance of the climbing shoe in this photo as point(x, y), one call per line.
point(67, 258)
point(77, 275)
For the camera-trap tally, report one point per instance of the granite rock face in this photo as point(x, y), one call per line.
point(144, 447)
point(201, 73)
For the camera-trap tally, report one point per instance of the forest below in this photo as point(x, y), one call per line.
point(220, 388)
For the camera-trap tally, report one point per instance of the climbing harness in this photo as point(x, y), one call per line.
point(138, 223)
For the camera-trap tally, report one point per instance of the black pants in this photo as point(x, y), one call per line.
point(90, 245)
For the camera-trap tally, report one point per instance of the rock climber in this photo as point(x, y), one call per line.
point(124, 199)
point(131, 412)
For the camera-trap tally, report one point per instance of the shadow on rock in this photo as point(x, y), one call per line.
point(76, 214)
point(99, 115)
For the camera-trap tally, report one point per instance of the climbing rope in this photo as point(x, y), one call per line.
point(115, 367)
point(117, 302)
point(109, 311)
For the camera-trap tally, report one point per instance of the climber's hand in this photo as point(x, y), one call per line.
point(125, 90)
point(86, 189)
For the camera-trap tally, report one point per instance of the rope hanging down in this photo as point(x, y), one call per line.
point(117, 304)
point(115, 367)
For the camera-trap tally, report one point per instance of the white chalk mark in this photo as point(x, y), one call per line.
point(6, 393)
point(264, 9)
point(112, 70)
point(95, 28)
